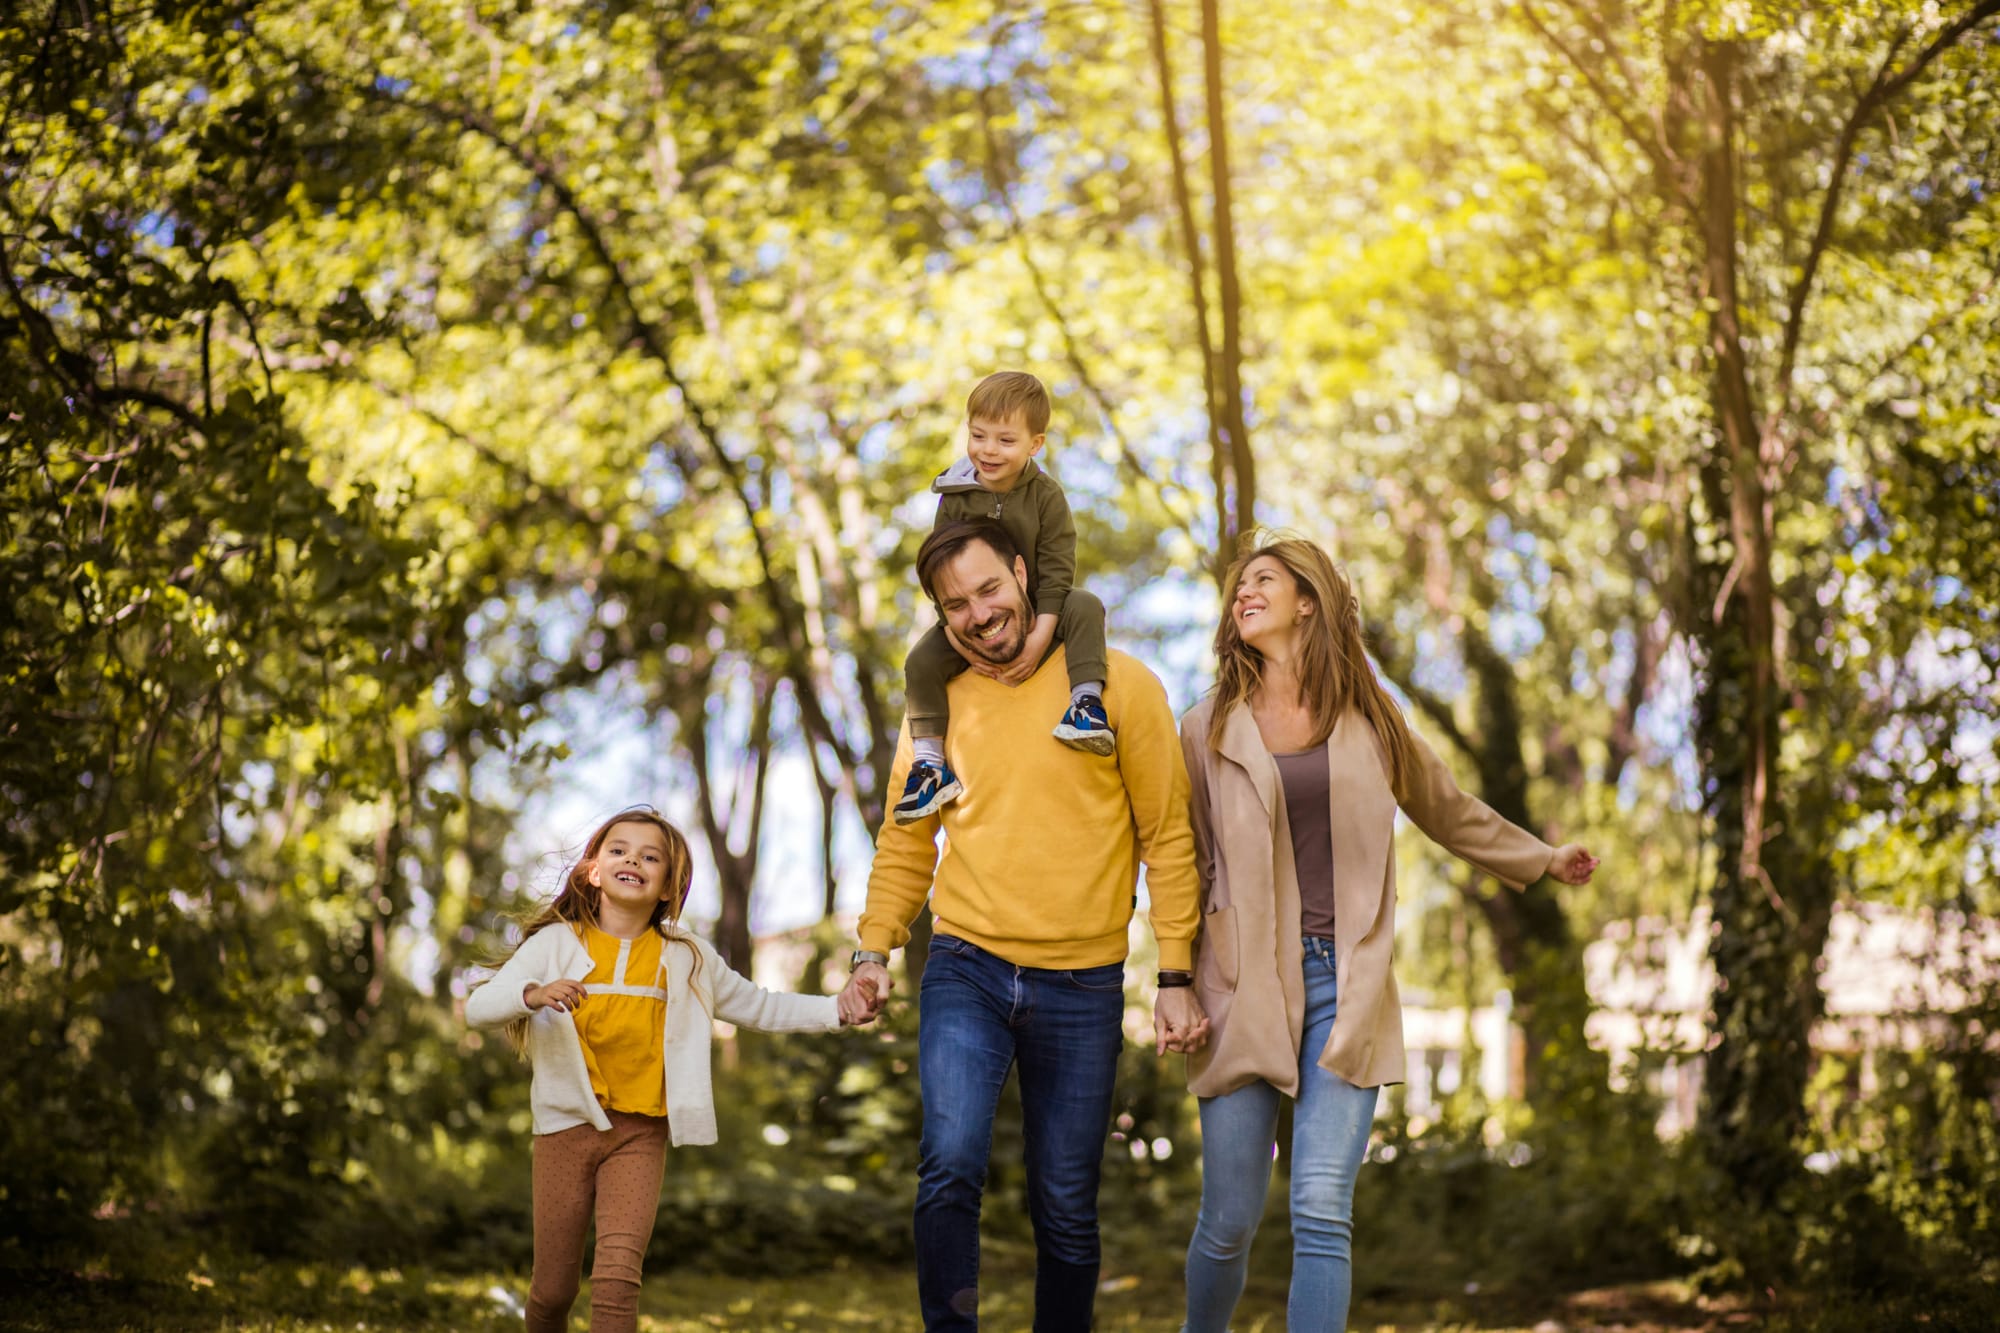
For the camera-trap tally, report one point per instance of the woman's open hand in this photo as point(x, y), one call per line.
point(1572, 864)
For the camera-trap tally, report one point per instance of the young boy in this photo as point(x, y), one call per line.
point(1006, 420)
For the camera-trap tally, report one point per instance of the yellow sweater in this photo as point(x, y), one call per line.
point(1042, 849)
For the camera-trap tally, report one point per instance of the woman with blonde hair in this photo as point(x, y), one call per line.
point(1298, 761)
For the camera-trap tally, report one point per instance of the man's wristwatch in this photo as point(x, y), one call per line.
point(1172, 978)
point(867, 956)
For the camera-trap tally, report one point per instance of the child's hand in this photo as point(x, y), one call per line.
point(861, 1000)
point(1033, 651)
point(854, 1009)
point(562, 996)
point(974, 663)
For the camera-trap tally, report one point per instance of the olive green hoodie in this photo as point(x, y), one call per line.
point(1035, 515)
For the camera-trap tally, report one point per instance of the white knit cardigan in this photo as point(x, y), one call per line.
point(560, 1092)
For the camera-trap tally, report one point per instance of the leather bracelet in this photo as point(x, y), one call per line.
point(1170, 979)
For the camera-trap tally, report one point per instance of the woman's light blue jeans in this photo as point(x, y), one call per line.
point(1330, 1125)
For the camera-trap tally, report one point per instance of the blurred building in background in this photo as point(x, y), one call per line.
point(1893, 981)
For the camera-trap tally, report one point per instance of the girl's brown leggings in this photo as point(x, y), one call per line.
point(615, 1173)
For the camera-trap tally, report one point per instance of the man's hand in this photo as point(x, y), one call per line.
point(867, 990)
point(1178, 1022)
point(1572, 864)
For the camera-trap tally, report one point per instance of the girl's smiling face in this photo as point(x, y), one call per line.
point(631, 864)
point(1267, 605)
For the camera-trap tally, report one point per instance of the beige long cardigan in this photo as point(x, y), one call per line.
point(1249, 972)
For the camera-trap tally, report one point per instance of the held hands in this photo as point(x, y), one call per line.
point(1178, 1022)
point(562, 996)
point(867, 990)
point(1572, 864)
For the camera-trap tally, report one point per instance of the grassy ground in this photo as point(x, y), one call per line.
point(414, 1302)
point(292, 1299)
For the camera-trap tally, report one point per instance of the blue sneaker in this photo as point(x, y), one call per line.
point(930, 788)
point(1085, 727)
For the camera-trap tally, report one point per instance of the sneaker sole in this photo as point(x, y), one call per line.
point(942, 796)
point(1092, 742)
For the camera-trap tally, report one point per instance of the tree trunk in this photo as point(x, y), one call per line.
point(1763, 947)
point(1219, 460)
point(1234, 424)
point(735, 870)
point(1773, 891)
point(1531, 936)
point(1531, 933)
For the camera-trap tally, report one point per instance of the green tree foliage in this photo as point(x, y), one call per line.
point(192, 597)
point(1803, 164)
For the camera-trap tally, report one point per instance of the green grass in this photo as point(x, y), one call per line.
point(1140, 1290)
point(294, 1299)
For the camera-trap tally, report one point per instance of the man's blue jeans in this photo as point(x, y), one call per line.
point(1330, 1125)
point(980, 1015)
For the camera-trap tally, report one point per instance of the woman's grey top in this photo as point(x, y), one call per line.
point(1308, 811)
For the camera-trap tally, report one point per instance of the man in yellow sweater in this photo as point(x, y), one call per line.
point(1032, 897)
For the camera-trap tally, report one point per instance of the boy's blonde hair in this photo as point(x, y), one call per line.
point(1007, 392)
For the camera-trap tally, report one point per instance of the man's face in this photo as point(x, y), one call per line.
point(984, 602)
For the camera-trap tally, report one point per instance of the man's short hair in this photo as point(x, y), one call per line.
point(1006, 392)
point(943, 546)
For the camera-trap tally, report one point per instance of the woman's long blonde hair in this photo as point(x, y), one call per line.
point(576, 905)
point(1333, 670)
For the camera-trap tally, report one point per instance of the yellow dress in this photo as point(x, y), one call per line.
point(623, 1021)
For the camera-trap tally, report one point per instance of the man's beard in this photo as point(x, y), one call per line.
point(1004, 649)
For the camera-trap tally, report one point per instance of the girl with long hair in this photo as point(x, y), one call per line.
point(1298, 761)
point(612, 1001)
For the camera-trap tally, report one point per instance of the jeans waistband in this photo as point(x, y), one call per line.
point(944, 942)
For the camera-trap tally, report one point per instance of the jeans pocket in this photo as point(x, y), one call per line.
point(1110, 977)
point(1319, 952)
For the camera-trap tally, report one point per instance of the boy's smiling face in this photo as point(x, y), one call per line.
point(1000, 450)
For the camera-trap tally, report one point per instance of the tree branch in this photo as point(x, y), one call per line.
point(1072, 351)
point(1399, 668)
point(653, 341)
point(1881, 92)
point(80, 372)
point(1656, 150)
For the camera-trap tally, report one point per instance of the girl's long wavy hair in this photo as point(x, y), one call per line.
point(576, 905)
point(1333, 670)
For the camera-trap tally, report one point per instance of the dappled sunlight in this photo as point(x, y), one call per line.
point(431, 427)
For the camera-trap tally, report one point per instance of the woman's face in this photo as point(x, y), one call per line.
point(1268, 607)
